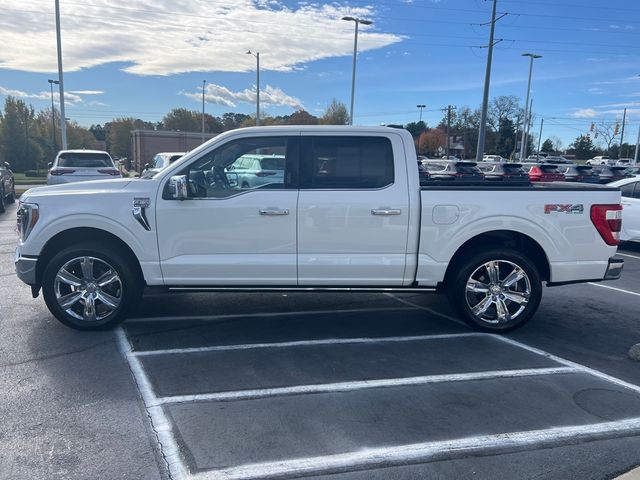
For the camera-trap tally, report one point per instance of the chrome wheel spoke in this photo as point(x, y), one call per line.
point(520, 298)
point(502, 310)
point(69, 278)
point(89, 313)
point(69, 300)
point(109, 300)
point(87, 268)
point(482, 306)
point(106, 278)
point(514, 277)
point(476, 286)
point(493, 270)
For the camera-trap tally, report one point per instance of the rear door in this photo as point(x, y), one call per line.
point(353, 210)
point(631, 211)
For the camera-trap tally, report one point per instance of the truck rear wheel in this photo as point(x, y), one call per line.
point(496, 290)
point(88, 286)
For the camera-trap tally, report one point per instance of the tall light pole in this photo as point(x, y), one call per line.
point(357, 21)
point(63, 123)
point(257, 55)
point(525, 125)
point(624, 120)
point(53, 117)
point(635, 157)
point(420, 106)
point(204, 82)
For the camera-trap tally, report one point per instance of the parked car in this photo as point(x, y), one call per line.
point(581, 174)
point(81, 165)
point(610, 173)
point(451, 170)
point(493, 158)
point(633, 170)
point(544, 172)
point(7, 185)
point(630, 189)
point(624, 161)
point(557, 160)
point(504, 172)
point(536, 158)
point(360, 222)
point(161, 161)
point(600, 160)
point(251, 171)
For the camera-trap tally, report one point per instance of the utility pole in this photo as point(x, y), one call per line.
point(53, 118)
point(63, 118)
point(525, 126)
point(204, 82)
point(257, 55)
point(525, 131)
point(540, 138)
point(624, 119)
point(487, 80)
point(635, 157)
point(448, 109)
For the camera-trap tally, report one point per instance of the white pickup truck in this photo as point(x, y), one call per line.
point(339, 208)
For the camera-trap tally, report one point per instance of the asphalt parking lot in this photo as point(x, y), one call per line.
point(331, 386)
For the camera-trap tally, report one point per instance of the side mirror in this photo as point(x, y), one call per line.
point(50, 164)
point(146, 166)
point(179, 187)
point(7, 165)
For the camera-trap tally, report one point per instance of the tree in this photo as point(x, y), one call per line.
point(506, 141)
point(547, 146)
point(416, 128)
point(335, 114)
point(432, 141)
point(504, 107)
point(607, 133)
point(234, 120)
point(119, 135)
point(183, 120)
point(99, 132)
point(582, 147)
point(20, 136)
point(302, 117)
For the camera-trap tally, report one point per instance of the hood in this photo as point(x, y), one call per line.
point(93, 186)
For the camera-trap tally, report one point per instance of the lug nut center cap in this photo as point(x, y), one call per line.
point(495, 289)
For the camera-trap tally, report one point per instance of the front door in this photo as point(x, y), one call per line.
point(230, 232)
point(353, 211)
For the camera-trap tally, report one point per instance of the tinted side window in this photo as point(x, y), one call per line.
point(348, 162)
point(627, 190)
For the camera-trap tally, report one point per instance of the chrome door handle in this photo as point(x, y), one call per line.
point(386, 211)
point(274, 211)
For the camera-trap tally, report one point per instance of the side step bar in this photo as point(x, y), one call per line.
point(303, 289)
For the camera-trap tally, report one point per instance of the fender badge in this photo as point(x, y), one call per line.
point(142, 202)
point(564, 208)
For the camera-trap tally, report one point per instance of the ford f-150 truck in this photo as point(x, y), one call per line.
point(348, 212)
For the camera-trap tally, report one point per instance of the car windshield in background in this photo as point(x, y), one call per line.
point(84, 160)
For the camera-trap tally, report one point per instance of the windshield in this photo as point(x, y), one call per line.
point(85, 160)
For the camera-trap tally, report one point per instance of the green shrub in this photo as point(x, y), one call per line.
point(35, 173)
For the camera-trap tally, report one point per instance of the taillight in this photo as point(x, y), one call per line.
point(535, 174)
point(60, 171)
point(110, 171)
point(264, 173)
point(608, 221)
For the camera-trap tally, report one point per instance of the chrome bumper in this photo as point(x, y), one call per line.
point(614, 269)
point(26, 268)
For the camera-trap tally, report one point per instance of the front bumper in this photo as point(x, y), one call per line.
point(26, 268)
point(614, 269)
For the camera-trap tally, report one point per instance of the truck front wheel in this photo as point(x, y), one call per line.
point(496, 290)
point(89, 286)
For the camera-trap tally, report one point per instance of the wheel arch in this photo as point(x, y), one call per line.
point(506, 239)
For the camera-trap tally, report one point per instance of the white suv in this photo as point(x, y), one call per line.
point(80, 165)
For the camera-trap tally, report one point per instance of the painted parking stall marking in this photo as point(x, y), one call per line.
point(175, 417)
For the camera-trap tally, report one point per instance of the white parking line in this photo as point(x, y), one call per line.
point(627, 255)
point(159, 420)
point(426, 452)
point(263, 315)
point(361, 385)
point(427, 309)
point(304, 343)
point(614, 288)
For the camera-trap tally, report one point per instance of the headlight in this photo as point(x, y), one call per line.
point(28, 215)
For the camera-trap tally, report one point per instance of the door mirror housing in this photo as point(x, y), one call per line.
point(50, 164)
point(7, 165)
point(179, 187)
point(146, 166)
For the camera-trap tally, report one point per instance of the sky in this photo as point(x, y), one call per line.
point(141, 58)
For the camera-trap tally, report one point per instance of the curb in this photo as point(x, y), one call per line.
point(630, 475)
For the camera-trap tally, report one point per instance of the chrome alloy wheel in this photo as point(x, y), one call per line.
point(88, 288)
point(498, 291)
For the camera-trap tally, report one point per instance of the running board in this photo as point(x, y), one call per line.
point(303, 289)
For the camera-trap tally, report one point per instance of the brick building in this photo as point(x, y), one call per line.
point(147, 143)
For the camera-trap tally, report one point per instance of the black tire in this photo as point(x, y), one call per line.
point(521, 299)
point(127, 289)
point(12, 196)
point(2, 207)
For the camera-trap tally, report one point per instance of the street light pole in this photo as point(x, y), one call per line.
point(421, 107)
point(357, 21)
point(635, 157)
point(63, 123)
point(204, 82)
point(525, 124)
point(257, 55)
point(53, 117)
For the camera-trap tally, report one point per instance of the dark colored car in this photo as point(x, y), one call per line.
point(7, 185)
point(610, 173)
point(581, 173)
point(544, 172)
point(632, 171)
point(504, 172)
point(452, 171)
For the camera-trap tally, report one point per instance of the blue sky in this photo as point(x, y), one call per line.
point(143, 58)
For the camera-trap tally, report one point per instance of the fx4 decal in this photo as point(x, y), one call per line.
point(564, 208)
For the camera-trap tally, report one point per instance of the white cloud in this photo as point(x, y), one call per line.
point(223, 96)
point(69, 98)
point(167, 37)
point(584, 113)
point(87, 92)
